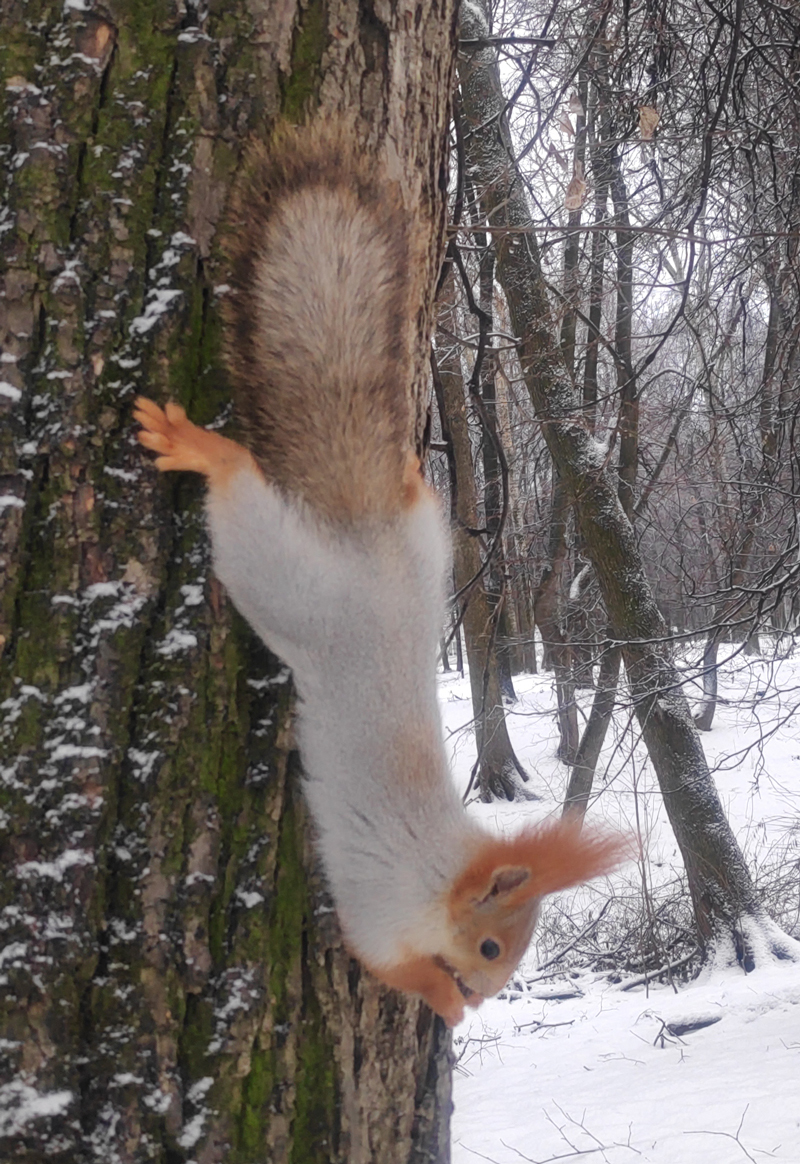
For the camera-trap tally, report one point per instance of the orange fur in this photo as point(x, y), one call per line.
point(414, 487)
point(494, 902)
point(183, 445)
point(556, 856)
point(320, 335)
point(422, 975)
point(496, 899)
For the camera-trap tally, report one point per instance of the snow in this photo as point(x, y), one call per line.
point(143, 762)
point(236, 992)
point(101, 590)
point(249, 898)
point(198, 1090)
point(192, 1131)
point(158, 1101)
point(175, 641)
point(159, 302)
point(20, 1103)
point(571, 1064)
point(55, 869)
point(604, 1070)
point(77, 752)
point(66, 278)
point(79, 693)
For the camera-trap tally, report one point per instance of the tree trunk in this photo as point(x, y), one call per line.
point(727, 909)
point(174, 983)
point(518, 602)
point(581, 778)
point(600, 139)
point(499, 772)
point(588, 753)
point(494, 578)
point(628, 423)
point(557, 649)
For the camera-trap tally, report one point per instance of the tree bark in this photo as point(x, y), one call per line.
point(610, 174)
point(174, 984)
point(729, 915)
point(499, 772)
point(579, 788)
point(556, 646)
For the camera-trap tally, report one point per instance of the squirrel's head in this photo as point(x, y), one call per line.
point(494, 903)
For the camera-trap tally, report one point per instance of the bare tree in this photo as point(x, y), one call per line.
point(730, 918)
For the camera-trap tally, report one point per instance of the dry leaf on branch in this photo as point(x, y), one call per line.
point(565, 123)
point(576, 193)
point(576, 105)
point(648, 120)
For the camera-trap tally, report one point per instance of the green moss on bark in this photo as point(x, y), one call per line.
point(315, 1115)
point(299, 92)
point(257, 1094)
point(149, 869)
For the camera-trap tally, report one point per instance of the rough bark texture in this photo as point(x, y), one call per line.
point(173, 983)
point(726, 904)
point(495, 578)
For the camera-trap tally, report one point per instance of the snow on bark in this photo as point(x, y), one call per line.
point(159, 914)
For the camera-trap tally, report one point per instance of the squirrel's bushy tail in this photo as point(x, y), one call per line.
point(318, 322)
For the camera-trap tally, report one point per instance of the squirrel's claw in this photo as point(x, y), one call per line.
point(183, 445)
point(156, 441)
point(175, 414)
point(147, 409)
point(168, 431)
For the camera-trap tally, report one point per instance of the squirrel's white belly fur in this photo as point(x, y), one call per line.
point(357, 617)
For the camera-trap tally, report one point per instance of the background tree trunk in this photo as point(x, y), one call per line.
point(499, 772)
point(736, 608)
point(556, 647)
point(174, 986)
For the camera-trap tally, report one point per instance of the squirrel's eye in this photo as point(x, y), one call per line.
point(490, 949)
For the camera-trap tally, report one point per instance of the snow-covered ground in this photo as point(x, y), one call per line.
point(571, 1065)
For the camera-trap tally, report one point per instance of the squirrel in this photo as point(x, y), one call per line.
point(335, 549)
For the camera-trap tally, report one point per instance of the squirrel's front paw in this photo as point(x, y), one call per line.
point(183, 445)
point(169, 433)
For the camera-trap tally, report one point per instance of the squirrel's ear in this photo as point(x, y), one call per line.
point(538, 861)
point(505, 880)
point(494, 876)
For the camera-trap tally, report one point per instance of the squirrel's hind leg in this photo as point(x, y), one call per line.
point(183, 445)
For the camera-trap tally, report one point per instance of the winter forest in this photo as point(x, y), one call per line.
point(638, 190)
point(606, 394)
